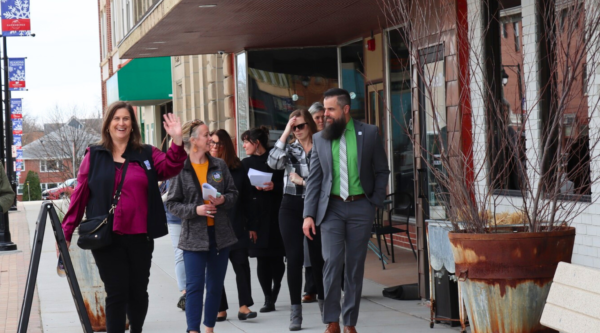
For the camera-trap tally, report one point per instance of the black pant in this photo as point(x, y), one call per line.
point(124, 268)
point(270, 272)
point(241, 266)
point(290, 225)
point(317, 262)
point(309, 285)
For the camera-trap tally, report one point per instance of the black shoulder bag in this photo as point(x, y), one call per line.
point(96, 232)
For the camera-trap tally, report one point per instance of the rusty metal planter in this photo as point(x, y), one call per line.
point(92, 288)
point(505, 277)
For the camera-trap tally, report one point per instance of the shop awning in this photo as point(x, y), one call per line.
point(184, 27)
point(142, 82)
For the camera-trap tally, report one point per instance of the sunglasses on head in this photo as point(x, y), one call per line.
point(298, 127)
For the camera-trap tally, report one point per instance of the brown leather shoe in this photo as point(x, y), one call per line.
point(309, 298)
point(349, 329)
point(333, 328)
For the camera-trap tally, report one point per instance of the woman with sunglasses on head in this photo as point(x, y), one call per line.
point(221, 146)
point(206, 232)
point(264, 220)
point(293, 157)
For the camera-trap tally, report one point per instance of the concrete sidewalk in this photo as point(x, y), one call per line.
point(378, 314)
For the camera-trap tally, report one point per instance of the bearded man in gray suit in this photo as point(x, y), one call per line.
point(348, 178)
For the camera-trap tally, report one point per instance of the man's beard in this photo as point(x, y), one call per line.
point(334, 130)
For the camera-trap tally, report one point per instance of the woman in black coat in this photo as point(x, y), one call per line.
point(268, 246)
point(221, 147)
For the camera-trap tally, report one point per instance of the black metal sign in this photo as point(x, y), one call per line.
point(38, 239)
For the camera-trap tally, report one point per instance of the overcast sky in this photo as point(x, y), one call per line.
point(63, 59)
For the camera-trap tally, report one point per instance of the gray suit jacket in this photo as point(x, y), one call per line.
point(372, 167)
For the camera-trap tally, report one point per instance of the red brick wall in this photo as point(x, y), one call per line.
point(400, 240)
point(45, 177)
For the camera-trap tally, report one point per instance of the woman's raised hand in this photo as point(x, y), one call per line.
point(172, 125)
point(290, 124)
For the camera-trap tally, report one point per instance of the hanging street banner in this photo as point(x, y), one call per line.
point(17, 129)
point(18, 126)
point(16, 108)
point(15, 18)
point(16, 74)
point(16, 114)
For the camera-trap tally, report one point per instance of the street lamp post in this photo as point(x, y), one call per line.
point(28, 192)
point(5, 239)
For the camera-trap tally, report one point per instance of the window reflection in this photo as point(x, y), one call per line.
point(280, 81)
point(509, 143)
point(353, 77)
point(401, 120)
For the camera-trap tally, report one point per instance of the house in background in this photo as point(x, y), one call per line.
point(57, 155)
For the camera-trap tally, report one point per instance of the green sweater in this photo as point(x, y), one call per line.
point(7, 196)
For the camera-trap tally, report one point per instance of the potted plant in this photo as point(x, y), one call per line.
point(503, 127)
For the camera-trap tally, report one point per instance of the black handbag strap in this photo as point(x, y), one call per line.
point(117, 195)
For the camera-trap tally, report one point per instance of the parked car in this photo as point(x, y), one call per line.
point(63, 190)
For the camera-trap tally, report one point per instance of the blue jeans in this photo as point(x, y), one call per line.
point(174, 232)
point(204, 268)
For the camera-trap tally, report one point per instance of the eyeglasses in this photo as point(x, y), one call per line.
point(298, 127)
point(212, 143)
point(195, 123)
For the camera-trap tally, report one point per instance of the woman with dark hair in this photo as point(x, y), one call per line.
point(221, 147)
point(206, 232)
point(293, 157)
point(264, 220)
point(139, 217)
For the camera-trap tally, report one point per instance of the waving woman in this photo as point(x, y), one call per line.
point(206, 234)
point(139, 217)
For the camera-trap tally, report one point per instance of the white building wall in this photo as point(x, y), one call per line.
point(587, 242)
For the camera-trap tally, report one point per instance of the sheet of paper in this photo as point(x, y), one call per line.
point(207, 190)
point(259, 178)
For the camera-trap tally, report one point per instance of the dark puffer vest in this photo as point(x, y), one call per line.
point(101, 180)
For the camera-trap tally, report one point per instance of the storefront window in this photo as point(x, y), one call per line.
point(353, 71)
point(401, 120)
point(568, 162)
point(281, 81)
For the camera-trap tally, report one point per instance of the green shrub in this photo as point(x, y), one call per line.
point(33, 191)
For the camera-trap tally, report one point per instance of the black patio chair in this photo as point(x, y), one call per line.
point(404, 206)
